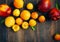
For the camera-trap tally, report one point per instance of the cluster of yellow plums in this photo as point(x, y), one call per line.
point(23, 17)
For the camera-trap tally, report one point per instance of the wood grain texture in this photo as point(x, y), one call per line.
point(44, 31)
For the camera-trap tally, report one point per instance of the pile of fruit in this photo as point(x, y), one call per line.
point(25, 18)
point(21, 16)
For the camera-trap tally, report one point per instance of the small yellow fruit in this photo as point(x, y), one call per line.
point(30, 6)
point(25, 25)
point(9, 21)
point(32, 22)
point(16, 12)
point(25, 15)
point(41, 19)
point(34, 15)
point(18, 3)
point(16, 28)
point(19, 21)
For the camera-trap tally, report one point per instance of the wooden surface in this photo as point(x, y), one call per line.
point(44, 31)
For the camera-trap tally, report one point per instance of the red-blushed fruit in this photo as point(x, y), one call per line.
point(5, 10)
point(57, 37)
point(54, 14)
point(44, 5)
point(59, 11)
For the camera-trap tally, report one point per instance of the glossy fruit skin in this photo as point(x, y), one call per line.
point(44, 5)
point(42, 19)
point(57, 37)
point(25, 15)
point(9, 21)
point(54, 14)
point(25, 25)
point(5, 10)
point(34, 15)
point(16, 28)
point(18, 3)
point(19, 21)
point(30, 6)
point(16, 12)
point(32, 22)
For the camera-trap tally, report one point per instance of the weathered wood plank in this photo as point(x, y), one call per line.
point(3, 34)
point(3, 30)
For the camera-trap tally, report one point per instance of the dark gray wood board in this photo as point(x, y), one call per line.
point(44, 31)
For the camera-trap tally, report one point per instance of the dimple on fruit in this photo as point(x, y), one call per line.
point(16, 12)
point(32, 22)
point(30, 6)
point(25, 25)
point(16, 28)
point(19, 21)
point(41, 19)
point(18, 3)
point(25, 15)
point(34, 15)
point(9, 21)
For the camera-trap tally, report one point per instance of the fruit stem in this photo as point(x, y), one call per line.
point(33, 28)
